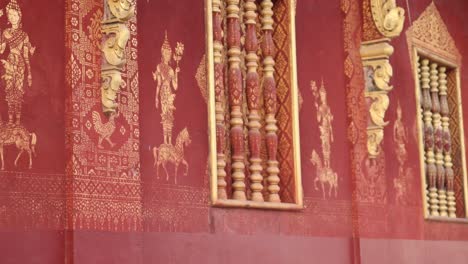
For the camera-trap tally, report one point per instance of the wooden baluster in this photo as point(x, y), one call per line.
point(219, 98)
point(253, 96)
point(431, 170)
point(269, 90)
point(421, 109)
point(438, 140)
point(447, 142)
point(235, 99)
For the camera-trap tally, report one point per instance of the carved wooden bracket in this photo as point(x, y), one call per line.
point(115, 37)
point(375, 55)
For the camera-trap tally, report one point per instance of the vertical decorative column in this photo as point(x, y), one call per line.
point(115, 37)
point(270, 104)
point(431, 170)
point(388, 20)
point(447, 143)
point(219, 98)
point(253, 96)
point(235, 99)
point(438, 147)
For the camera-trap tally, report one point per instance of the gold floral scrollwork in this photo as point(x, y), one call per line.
point(378, 107)
point(374, 138)
point(115, 37)
point(388, 17)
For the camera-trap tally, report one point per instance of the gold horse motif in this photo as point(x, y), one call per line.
point(13, 134)
point(324, 175)
point(168, 153)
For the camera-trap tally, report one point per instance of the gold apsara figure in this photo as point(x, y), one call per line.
point(325, 119)
point(166, 85)
point(400, 136)
point(17, 65)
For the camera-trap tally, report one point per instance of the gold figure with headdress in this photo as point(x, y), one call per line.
point(325, 119)
point(17, 65)
point(166, 85)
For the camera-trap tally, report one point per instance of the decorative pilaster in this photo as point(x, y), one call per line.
point(253, 96)
point(235, 99)
point(115, 37)
point(270, 104)
point(389, 20)
point(431, 170)
point(447, 142)
point(219, 98)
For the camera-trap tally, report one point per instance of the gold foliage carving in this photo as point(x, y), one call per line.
point(430, 33)
point(388, 17)
point(115, 37)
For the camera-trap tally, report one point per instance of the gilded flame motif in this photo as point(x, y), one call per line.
point(325, 174)
point(166, 78)
point(17, 77)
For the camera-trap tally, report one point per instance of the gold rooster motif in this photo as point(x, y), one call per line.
point(105, 130)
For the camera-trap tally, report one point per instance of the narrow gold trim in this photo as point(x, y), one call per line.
point(211, 101)
point(462, 139)
point(295, 106)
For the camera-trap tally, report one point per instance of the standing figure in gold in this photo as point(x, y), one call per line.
point(166, 85)
point(17, 65)
point(325, 174)
point(325, 119)
point(400, 138)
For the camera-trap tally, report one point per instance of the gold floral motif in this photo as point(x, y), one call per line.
point(325, 173)
point(200, 76)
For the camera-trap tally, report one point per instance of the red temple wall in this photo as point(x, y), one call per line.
point(160, 221)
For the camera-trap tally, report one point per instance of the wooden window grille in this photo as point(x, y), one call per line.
point(441, 137)
point(253, 104)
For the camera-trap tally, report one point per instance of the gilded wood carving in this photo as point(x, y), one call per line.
point(115, 37)
point(375, 54)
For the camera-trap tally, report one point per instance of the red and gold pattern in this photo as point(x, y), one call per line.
point(106, 193)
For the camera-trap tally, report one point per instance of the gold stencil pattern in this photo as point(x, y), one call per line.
point(325, 174)
point(167, 83)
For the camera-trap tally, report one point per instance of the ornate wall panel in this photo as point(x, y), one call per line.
point(103, 169)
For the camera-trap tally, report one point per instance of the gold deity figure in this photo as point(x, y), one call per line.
point(400, 139)
point(17, 65)
point(325, 119)
point(166, 78)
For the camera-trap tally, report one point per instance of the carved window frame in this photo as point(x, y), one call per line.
point(297, 204)
point(451, 59)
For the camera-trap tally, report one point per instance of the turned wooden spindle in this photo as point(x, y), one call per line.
point(253, 96)
point(219, 98)
point(270, 104)
point(421, 109)
point(438, 140)
point(447, 142)
point(235, 99)
point(431, 170)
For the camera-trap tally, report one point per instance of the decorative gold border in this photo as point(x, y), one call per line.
point(299, 203)
point(416, 50)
